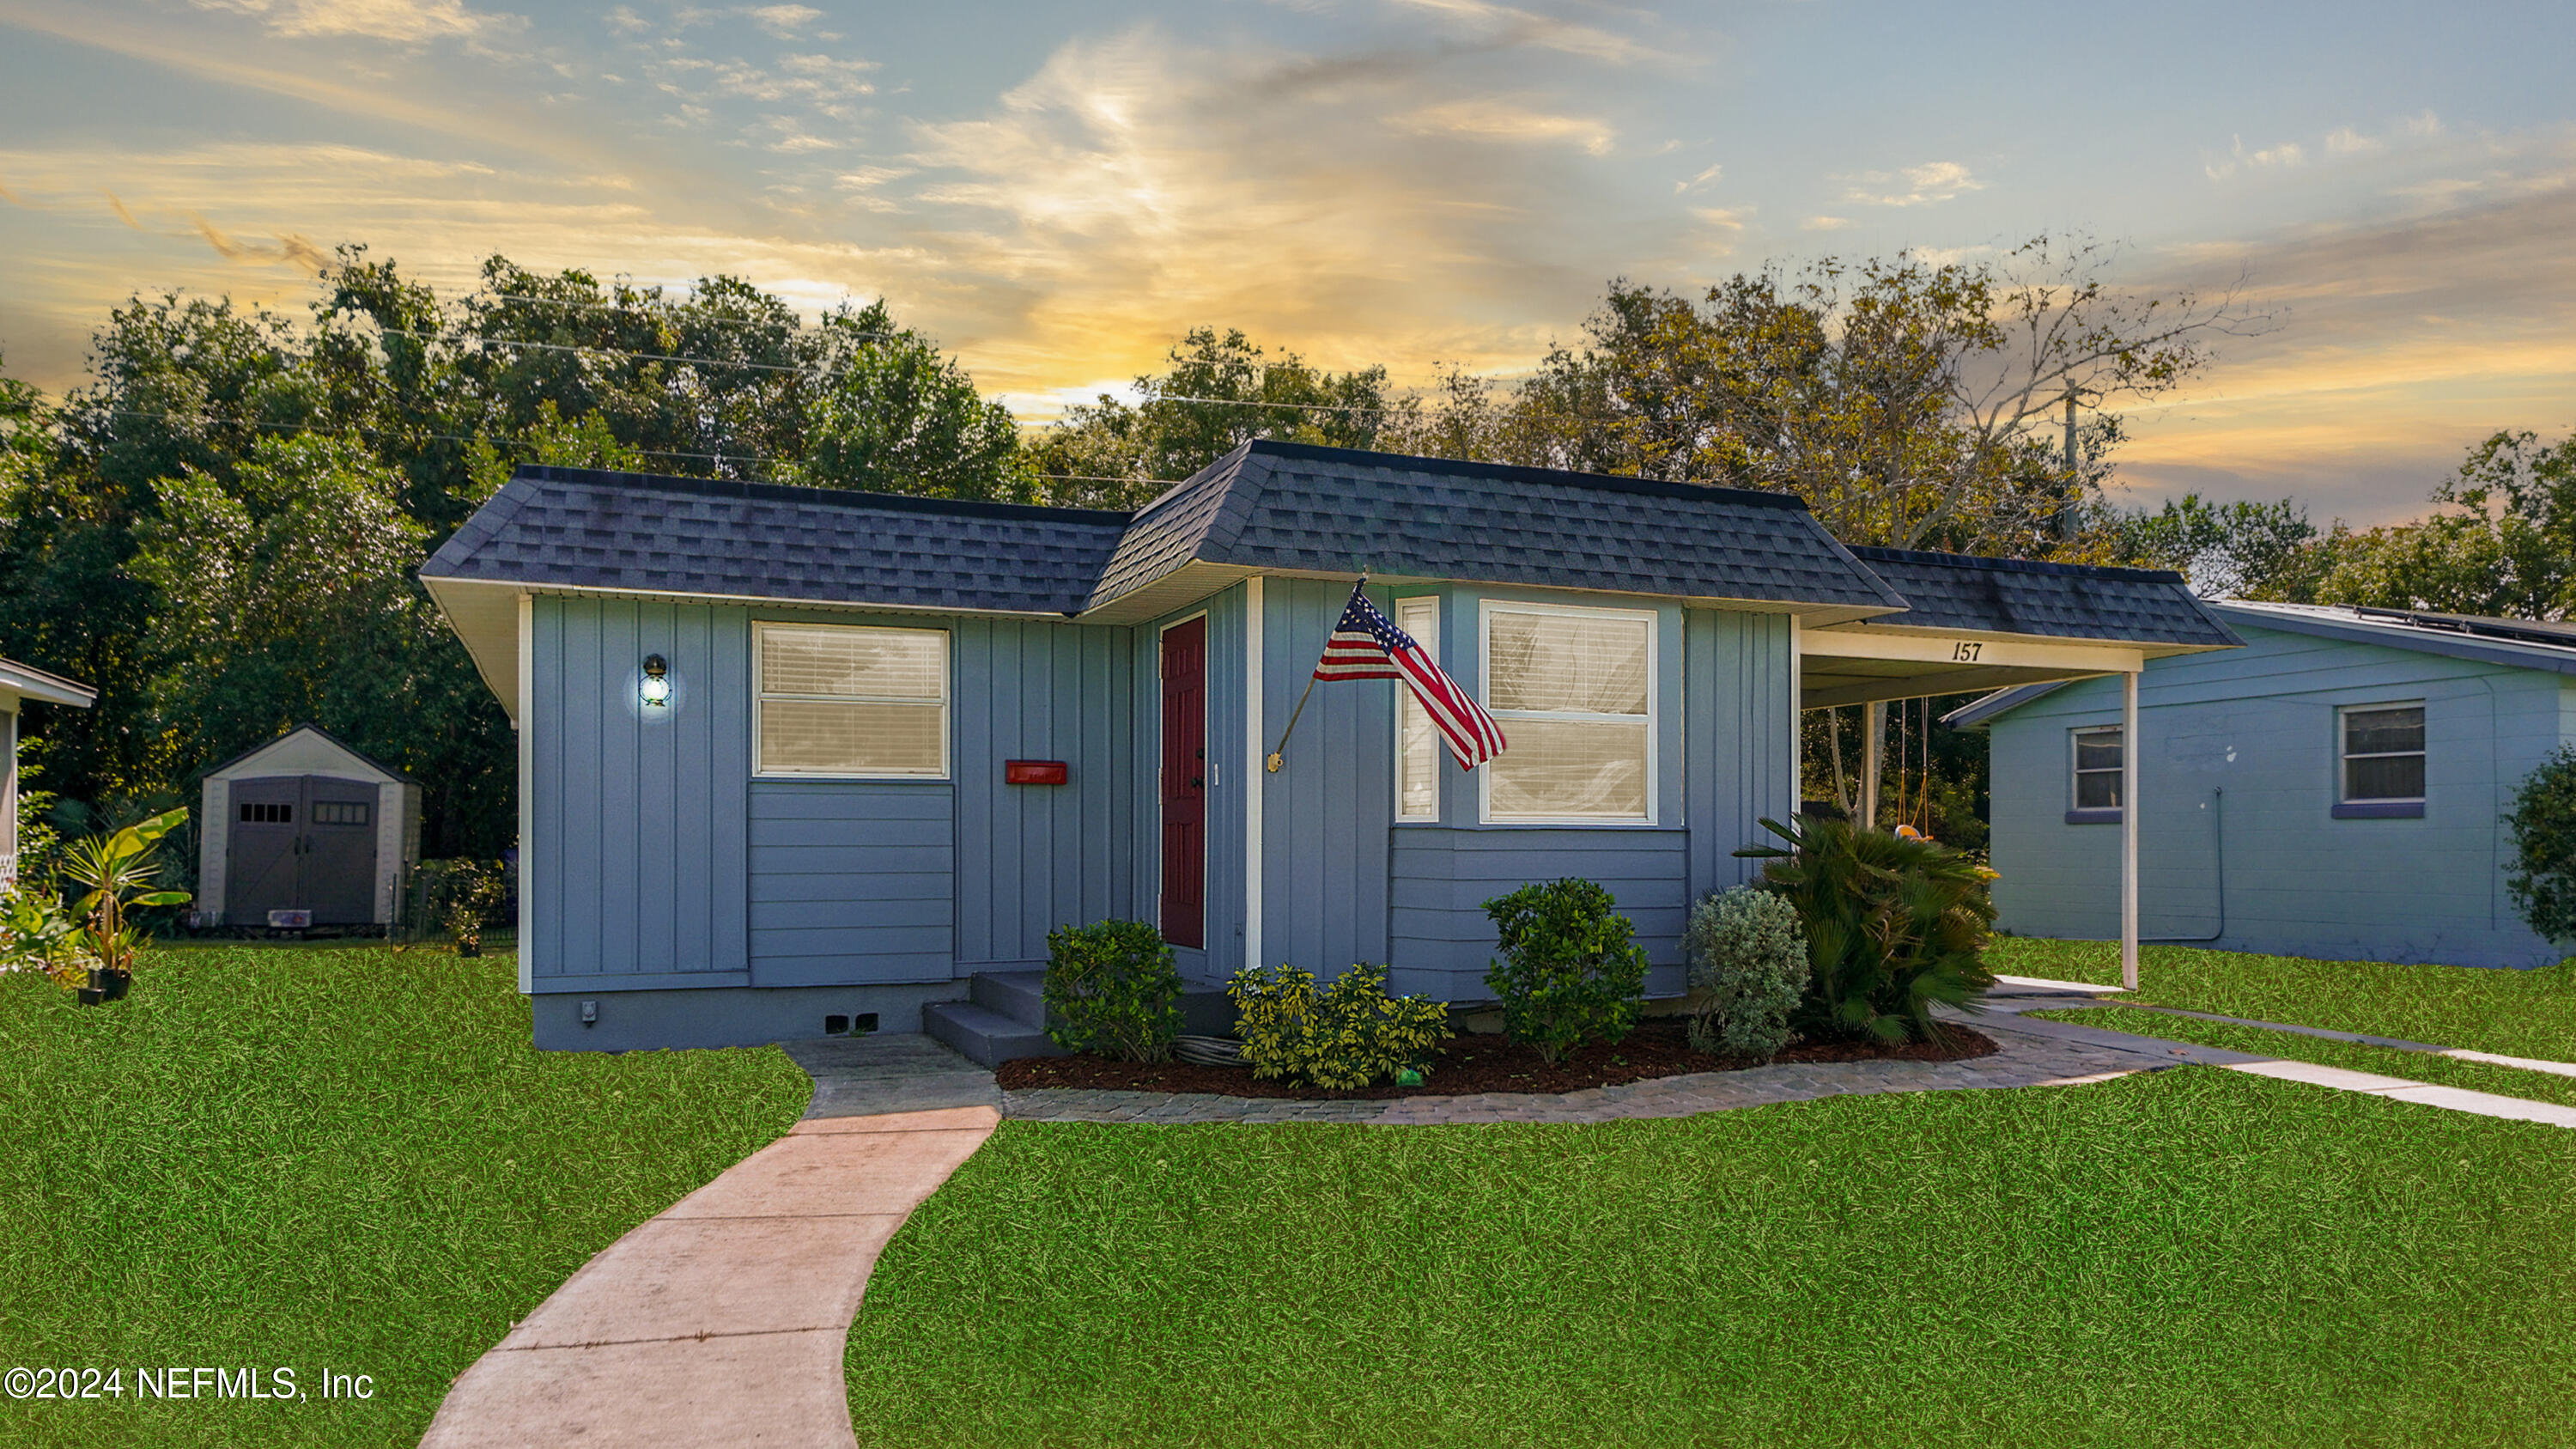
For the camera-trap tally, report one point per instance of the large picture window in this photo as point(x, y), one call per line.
point(1417, 740)
point(2098, 751)
point(2383, 754)
point(1574, 690)
point(837, 700)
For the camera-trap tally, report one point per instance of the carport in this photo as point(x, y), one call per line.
point(1980, 624)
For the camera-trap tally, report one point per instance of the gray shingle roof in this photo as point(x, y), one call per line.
point(1272, 505)
point(2068, 601)
point(591, 528)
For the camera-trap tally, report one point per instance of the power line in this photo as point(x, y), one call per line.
point(497, 443)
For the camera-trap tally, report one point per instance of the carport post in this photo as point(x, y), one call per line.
point(1873, 735)
point(2129, 829)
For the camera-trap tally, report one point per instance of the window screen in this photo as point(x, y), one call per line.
point(2383, 753)
point(2097, 768)
point(1574, 692)
point(1417, 752)
point(339, 812)
point(839, 700)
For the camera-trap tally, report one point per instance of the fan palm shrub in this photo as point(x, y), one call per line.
point(1894, 926)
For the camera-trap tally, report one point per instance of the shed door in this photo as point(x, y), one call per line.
point(267, 826)
point(339, 870)
point(1185, 783)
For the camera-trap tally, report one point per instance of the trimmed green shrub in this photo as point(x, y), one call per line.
point(1570, 971)
point(1893, 926)
point(1345, 1036)
point(2543, 874)
point(1111, 988)
point(1748, 971)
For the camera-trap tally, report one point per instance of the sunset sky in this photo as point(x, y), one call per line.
point(1056, 192)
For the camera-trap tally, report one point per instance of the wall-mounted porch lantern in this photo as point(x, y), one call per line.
point(655, 691)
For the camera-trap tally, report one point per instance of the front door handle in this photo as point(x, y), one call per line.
point(1198, 782)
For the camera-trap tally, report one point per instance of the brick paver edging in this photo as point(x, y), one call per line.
point(2028, 1059)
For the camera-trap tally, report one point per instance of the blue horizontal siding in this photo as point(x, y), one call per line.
point(852, 882)
point(1439, 939)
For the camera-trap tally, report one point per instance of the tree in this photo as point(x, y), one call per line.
point(890, 415)
point(1221, 392)
point(2501, 541)
point(1910, 403)
point(2239, 550)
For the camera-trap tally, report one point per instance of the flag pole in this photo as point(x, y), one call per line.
point(1278, 757)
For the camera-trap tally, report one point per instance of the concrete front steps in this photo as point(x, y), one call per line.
point(1004, 1017)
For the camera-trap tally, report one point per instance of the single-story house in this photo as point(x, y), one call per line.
point(304, 831)
point(789, 755)
point(18, 684)
point(2334, 789)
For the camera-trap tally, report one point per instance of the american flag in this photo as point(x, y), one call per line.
point(1367, 645)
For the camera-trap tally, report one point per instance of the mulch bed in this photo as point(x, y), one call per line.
point(1470, 1064)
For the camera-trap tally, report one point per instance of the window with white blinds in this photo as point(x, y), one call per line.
point(1417, 740)
point(1574, 690)
point(845, 701)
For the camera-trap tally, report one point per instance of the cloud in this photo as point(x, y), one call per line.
point(289, 248)
point(1929, 184)
point(783, 21)
point(1133, 187)
point(409, 21)
point(1702, 179)
point(2282, 157)
point(2345, 141)
point(1824, 223)
point(1498, 120)
point(1505, 25)
point(118, 207)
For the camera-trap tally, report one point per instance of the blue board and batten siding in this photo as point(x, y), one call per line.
point(658, 860)
point(2260, 724)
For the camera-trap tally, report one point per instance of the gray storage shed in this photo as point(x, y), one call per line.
point(305, 824)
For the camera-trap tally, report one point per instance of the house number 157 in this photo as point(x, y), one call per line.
point(1965, 651)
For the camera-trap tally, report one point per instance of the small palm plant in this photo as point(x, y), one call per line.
point(1893, 926)
point(118, 869)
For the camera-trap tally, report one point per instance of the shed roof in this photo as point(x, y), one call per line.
point(1291, 507)
point(319, 733)
point(2544, 645)
point(705, 537)
point(2068, 601)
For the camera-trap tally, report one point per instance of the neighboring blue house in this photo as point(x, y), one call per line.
point(789, 755)
point(2351, 766)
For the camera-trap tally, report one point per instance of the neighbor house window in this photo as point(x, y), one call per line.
point(1574, 691)
point(840, 700)
point(2383, 754)
point(1417, 740)
point(2098, 754)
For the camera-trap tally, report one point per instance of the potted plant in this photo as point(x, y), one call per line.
point(118, 869)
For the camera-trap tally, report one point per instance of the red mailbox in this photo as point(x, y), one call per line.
point(1034, 772)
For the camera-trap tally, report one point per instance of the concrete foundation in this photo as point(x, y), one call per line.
point(723, 1016)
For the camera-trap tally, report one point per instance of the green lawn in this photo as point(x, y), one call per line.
point(2386, 1061)
point(2516, 1013)
point(342, 1159)
point(2188, 1257)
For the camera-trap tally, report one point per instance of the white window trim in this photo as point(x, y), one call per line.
point(1404, 696)
point(2344, 756)
point(947, 705)
point(2075, 795)
point(1486, 610)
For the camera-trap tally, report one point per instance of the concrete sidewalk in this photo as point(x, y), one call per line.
point(723, 1320)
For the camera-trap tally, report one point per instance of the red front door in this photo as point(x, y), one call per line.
point(1185, 784)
